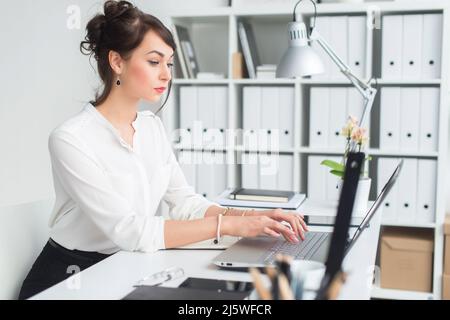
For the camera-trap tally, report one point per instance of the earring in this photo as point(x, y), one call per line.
point(118, 81)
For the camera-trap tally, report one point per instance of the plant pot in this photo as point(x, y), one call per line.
point(361, 197)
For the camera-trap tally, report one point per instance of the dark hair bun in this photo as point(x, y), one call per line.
point(96, 26)
point(114, 9)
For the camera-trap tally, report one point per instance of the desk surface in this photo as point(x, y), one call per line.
point(114, 277)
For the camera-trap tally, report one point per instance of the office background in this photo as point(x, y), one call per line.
point(45, 79)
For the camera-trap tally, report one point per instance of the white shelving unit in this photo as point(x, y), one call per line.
point(215, 37)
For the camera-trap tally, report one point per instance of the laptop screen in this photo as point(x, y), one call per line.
point(384, 192)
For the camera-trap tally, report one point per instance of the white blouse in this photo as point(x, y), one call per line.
point(107, 192)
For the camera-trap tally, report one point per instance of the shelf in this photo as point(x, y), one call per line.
point(323, 8)
point(199, 148)
point(340, 8)
point(281, 150)
point(263, 81)
point(305, 81)
point(418, 154)
point(269, 23)
point(407, 82)
point(201, 15)
point(381, 293)
point(373, 152)
point(430, 225)
point(200, 81)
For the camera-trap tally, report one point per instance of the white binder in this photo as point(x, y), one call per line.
point(206, 115)
point(286, 117)
point(331, 181)
point(339, 42)
point(285, 173)
point(337, 117)
point(429, 119)
point(392, 37)
point(188, 114)
point(357, 44)
point(220, 173)
point(432, 46)
point(220, 115)
point(269, 118)
point(323, 27)
point(251, 116)
point(249, 170)
point(188, 166)
point(316, 178)
point(409, 119)
point(407, 194)
point(319, 111)
point(390, 118)
point(386, 167)
point(426, 191)
point(269, 167)
point(205, 175)
point(412, 46)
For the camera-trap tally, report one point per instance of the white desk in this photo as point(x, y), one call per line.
point(114, 277)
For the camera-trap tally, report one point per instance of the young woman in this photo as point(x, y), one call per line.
point(112, 165)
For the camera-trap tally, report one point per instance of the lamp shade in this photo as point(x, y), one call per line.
point(300, 59)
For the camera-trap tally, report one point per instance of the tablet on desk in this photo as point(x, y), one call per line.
point(225, 242)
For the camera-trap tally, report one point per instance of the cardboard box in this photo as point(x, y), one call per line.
point(406, 259)
point(447, 245)
point(446, 287)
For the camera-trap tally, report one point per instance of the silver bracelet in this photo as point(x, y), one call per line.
point(219, 222)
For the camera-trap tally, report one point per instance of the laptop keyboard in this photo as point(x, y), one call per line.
point(304, 250)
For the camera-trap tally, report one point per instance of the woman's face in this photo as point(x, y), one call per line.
point(148, 71)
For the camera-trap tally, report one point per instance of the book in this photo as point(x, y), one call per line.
point(261, 195)
point(249, 48)
point(180, 58)
point(187, 50)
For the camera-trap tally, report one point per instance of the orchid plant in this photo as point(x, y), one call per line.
point(357, 139)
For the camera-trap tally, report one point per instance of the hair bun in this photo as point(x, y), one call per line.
point(114, 9)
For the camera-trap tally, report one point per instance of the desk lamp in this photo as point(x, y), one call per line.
point(301, 60)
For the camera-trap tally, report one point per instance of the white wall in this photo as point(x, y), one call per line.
point(44, 80)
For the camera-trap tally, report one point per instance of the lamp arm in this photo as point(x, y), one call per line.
point(363, 88)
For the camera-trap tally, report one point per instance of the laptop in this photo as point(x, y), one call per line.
point(261, 251)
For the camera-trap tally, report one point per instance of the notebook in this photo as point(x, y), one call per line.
point(181, 293)
point(224, 200)
point(261, 195)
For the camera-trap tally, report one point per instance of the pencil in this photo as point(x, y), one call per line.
point(262, 291)
point(285, 290)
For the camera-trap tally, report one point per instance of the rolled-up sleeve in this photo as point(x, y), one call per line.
point(87, 183)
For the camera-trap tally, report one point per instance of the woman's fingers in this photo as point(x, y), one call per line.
point(287, 233)
point(301, 231)
point(295, 220)
point(271, 232)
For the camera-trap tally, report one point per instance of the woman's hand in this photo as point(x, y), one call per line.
point(294, 219)
point(256, 225)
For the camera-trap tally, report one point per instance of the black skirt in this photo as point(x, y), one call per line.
point(55, 264)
